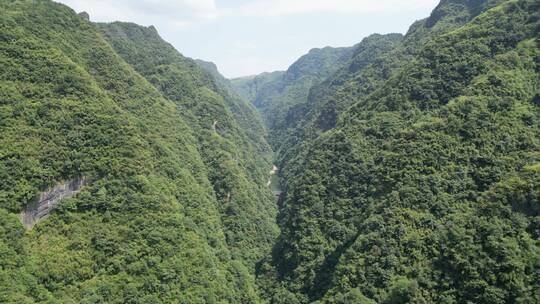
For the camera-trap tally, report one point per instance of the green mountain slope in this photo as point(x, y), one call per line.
point(152, 225)
point(245, 113)
point(250, 86)
point(368, 66)
point(409, 164)
point(426, 189)
point(278, 94)
point(228, 130)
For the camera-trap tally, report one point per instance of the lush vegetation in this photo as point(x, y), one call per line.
point(281, 96)
point(175, 211)
point(410, 165)
point(250, 87)
point(230, 135)
point(414, 176)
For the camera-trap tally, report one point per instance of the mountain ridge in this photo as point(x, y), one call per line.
point(408, 166)
point(374, 203)
point(150, 226)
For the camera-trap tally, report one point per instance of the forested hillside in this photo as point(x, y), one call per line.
point(176, 207)
point(279, 95)
point(250, 87)
point(414, 176)
point(409, 164)
point(229, 132)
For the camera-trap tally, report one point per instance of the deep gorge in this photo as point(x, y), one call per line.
point(403, 169)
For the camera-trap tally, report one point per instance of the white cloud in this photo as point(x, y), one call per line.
point(291, 7)
point(180, 13)
point(244, 51)
point(183, 13)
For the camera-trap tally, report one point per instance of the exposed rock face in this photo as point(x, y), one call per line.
point(42, 206)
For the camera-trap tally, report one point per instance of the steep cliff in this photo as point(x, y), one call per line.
point(153, 226)
point(414, 176)
point(409, 165)
point(41, 207)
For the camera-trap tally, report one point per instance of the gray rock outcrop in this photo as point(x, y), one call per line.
point(40, 207)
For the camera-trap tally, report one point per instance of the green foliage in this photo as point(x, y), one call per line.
point(152, 226)
point(281, 97)
point(249, 87)
point(410, 165)
point(228, 132)
point(422, 188)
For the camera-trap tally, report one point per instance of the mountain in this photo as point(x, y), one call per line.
point(414, 176)
point(409, 165)
point(245, 113)
point(318, 111)
point(249, 87)
point(224, 123)
point(279, 93)
point(169, 199)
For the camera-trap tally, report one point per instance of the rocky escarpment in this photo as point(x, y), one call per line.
point(40, 207)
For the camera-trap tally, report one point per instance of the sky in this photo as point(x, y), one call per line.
point(247, 37)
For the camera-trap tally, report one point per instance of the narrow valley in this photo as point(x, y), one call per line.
point(402, 169)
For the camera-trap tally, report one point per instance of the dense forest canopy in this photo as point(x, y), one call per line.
point(176, 210)
point(410, 173)
point(409, 165)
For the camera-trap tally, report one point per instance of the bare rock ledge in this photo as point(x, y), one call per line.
point(40, 207)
